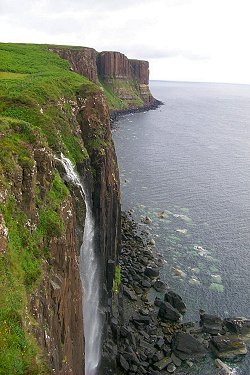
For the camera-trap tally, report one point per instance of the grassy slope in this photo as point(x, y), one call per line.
point(36, 93)
point(115, 85)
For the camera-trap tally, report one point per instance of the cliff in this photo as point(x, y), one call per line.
point(82, 60)
point(125, 82)
point(46, 109)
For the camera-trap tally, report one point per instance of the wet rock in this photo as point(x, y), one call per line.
point(114, 326)
point(186, 346)
point(151, 272)
point(124, 332)
point(131, 356)
point(159, 344)
point(168, 312)
point(211, 324)
point(163, 363)
point(171, 368)
point(176, 301)
point(129, 293)
point(178, 272)
point(177, 361)
point(159, 286)
point(226, 347)
point(146, 220)
point(144, 298)
point(145, 284)
point(142, 319)
point(158, 356)
point(132, 339)
point(157, 301)
point(238, 325)
point(134, 368)
point(225, 369)
point(123, 363)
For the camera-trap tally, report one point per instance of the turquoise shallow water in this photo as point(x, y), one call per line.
point(186, 165)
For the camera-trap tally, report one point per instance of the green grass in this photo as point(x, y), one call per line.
point(10, 75)
point(117, 279)
point(20, 273)
point(37, 87)
point(37, 97)
point(114, 102)
point(112, 87)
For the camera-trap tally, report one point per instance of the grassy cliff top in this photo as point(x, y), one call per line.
point(37, 86)
point(37, 110)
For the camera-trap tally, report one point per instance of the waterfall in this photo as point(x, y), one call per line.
point(89, 271)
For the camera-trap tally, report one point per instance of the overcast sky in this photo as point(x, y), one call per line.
point(189, 40)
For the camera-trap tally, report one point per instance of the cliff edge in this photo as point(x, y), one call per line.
point(125, 82)
point(47, 109)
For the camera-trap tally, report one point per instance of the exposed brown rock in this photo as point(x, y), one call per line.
point(57, 304)
point(140, 70)
point(3, 235)
point(82, 60)
point(94, 119)
point(113, 65)
point(114, 69)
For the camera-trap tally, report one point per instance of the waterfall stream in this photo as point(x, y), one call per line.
point(89, 272)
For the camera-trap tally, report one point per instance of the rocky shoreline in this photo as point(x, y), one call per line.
point(114, 115)
point(148, 335)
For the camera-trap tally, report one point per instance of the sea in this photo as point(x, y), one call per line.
point(186, 166)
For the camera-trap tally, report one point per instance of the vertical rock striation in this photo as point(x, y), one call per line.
point(140, 70)
point(113, 65)
point(127, 80)
point(82, 60)
point(42, 213)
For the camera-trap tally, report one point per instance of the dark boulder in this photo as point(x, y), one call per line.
point(160, 342)
point(129, 293)
point(211, 324)
point(158, 356)
point(241, 326)
point(157, 301)
point(123, 363)
point(226, 347)
point(168, 312)
point(163, 363)
point(141, 319)
point(186, 346)
point(159, 286)
point(145, 284)
point(151, 272)
point(176, 301)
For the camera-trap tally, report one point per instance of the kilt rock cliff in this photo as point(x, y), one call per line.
point(60, 204)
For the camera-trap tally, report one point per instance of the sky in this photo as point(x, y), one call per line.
point(183, 40)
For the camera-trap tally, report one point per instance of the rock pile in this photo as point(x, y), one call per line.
point(148, 334)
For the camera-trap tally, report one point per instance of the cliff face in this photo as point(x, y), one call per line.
point(140, 71)
point(127, 79)
point(42, 214)
point(125, 82)
point(48, 256)
point(113, 65)
point(82, 60)
point(47, 109)
point(93, 117)
point(57, 302)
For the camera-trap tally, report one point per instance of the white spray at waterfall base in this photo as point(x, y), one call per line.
point(89, 271)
